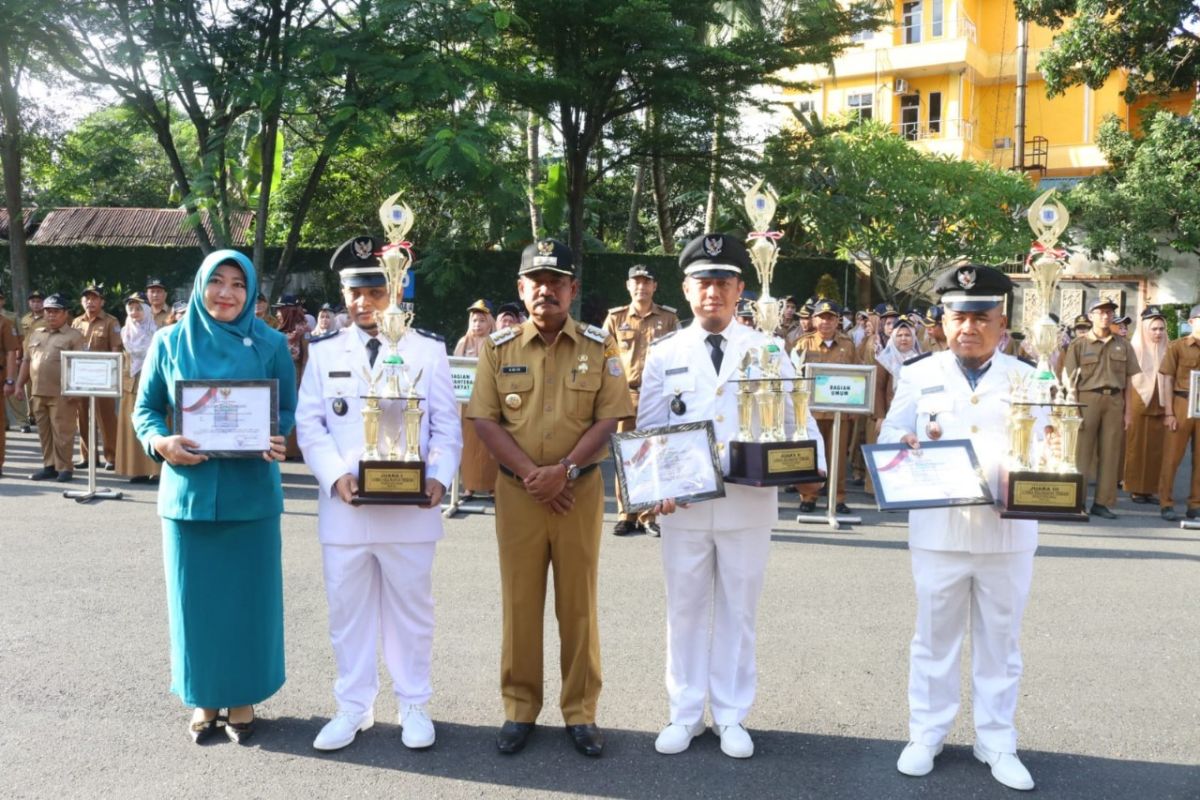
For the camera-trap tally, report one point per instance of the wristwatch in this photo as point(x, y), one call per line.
point(10, 382)
point(572, 469)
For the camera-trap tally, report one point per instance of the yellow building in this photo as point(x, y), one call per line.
point(943, 75)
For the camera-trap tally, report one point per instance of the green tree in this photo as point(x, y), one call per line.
point(1148, 199)
point(1153, 42)
point(865, 194)
point(585, 65)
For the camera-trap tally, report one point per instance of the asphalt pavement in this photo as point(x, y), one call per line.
point(1109, 707)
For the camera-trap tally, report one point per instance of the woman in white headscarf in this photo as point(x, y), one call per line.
point(1144, 437)
point(136, 335)
point(901, 346)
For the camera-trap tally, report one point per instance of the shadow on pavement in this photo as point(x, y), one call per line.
point(785, 764)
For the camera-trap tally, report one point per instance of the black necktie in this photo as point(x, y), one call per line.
point(373, 349)
point(715, 339)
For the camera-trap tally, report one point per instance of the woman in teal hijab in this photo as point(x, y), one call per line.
point(221, 545)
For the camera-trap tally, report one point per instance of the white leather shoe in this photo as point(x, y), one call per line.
point(917, 759)
point(416, 728)
point(735, 741)
point(341, 730)
point(676, 737)
point(1006, 768)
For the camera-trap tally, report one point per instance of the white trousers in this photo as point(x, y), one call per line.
point(992, 588)
point(714, 580)
point(379, 590)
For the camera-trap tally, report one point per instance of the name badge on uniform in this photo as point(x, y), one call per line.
point(677, 371)
point(339, 374)
point(514, 369)
point(932, 389)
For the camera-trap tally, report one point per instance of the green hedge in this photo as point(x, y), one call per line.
point(446, 281)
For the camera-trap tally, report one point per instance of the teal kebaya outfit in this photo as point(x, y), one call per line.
point(221, 543)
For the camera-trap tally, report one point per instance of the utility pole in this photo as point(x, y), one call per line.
point(1022, 66)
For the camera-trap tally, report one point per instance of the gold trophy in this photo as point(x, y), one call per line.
point(1049, 487)
point(393, 477)
point(768, 458)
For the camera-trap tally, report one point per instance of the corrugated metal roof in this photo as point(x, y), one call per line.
point(27, 213)
point(130, 226)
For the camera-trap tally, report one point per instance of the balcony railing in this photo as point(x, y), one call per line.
point(955, 24)
point(941, 129)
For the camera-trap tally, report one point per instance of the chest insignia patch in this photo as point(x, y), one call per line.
point(614, 366)
point(677, 404)
point(340, 407)
point(513, 401)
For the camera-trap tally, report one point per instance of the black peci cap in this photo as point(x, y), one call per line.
point(714, 255)
point(357, 263)
point(547, 254)
point(153, 282)
point(509, 308)
point(972, 287)
point(36, 293)
point(641, 271)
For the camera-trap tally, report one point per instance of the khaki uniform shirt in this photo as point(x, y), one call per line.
point(1183, 356)
point(161, 317)
point(547, 396)
point(1103, 364)
point(100, 335)
point(29, 323)
point(15, 321)
point(634, 335)
point(42, 348)
point(790, 334)
point(9, 341)
point(840, 351)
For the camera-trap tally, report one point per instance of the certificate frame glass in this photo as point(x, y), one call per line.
point(951, 477)
point(692, 445)
point(1194, 394)
point(462, 375)
point(857, 379)
point(260, 396)
point(87, 374)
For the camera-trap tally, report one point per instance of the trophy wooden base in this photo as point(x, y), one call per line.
point(397, 483)
point(773, 463)
point(1032, 494)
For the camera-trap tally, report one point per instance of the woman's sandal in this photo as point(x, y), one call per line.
point(239, 732)
point(204, 728)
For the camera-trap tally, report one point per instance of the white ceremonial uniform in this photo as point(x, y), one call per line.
point(377, 559)
point(965, 560)
point(714, 553)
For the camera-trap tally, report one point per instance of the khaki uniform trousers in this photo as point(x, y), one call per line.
point(808, 490)
point(1100, 440)
point(530, 539)
point(56, 429)
point(1144, 446)
point(106, 426)
point(1175, 446)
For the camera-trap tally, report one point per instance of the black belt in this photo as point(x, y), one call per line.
point(1181, 394)
point(1104, 390)
point(582, 470)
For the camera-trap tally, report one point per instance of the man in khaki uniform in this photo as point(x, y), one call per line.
point(101, 334)
point(634, 327)
point(29, 323)
point(10, 345)
point(934, 340)
point(1106, 365)
point(1183, 356)
point(548, 394)
point(8, 401)
point(42, 369)
point(156, 295)
point(828, 345)
point(790, 328)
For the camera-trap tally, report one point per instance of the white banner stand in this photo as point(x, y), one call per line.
point(462, 373)
point(91, 375)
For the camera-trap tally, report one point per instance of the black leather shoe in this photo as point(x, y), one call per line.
point(109, 466)
point(652, 529)
point(140, 479)
point(625, 527)
point(513, 736)
point(807, 507)
point(64, 476)
point(26, 429)
point(842, 508)
point(80, 465)
point(1168, 514)
point(587, 739)
point(44, 474)
point(1098, 510)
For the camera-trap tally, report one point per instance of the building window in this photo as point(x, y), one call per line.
point(935, 113)
point(859, 103)
point(806, 106)
point(912, 22)
point(935, 28)
point(862, 36)
point(910, 116)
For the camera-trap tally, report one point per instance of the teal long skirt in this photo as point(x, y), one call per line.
point(225, 607)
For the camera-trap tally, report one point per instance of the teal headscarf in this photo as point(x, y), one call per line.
point(208, 349)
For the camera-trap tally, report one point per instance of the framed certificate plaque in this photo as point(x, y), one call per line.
point(228, 418)
point(936, 475)
point(678, 462)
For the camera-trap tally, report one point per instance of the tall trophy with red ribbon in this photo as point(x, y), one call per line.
point(396, 474)
point(761, 454)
